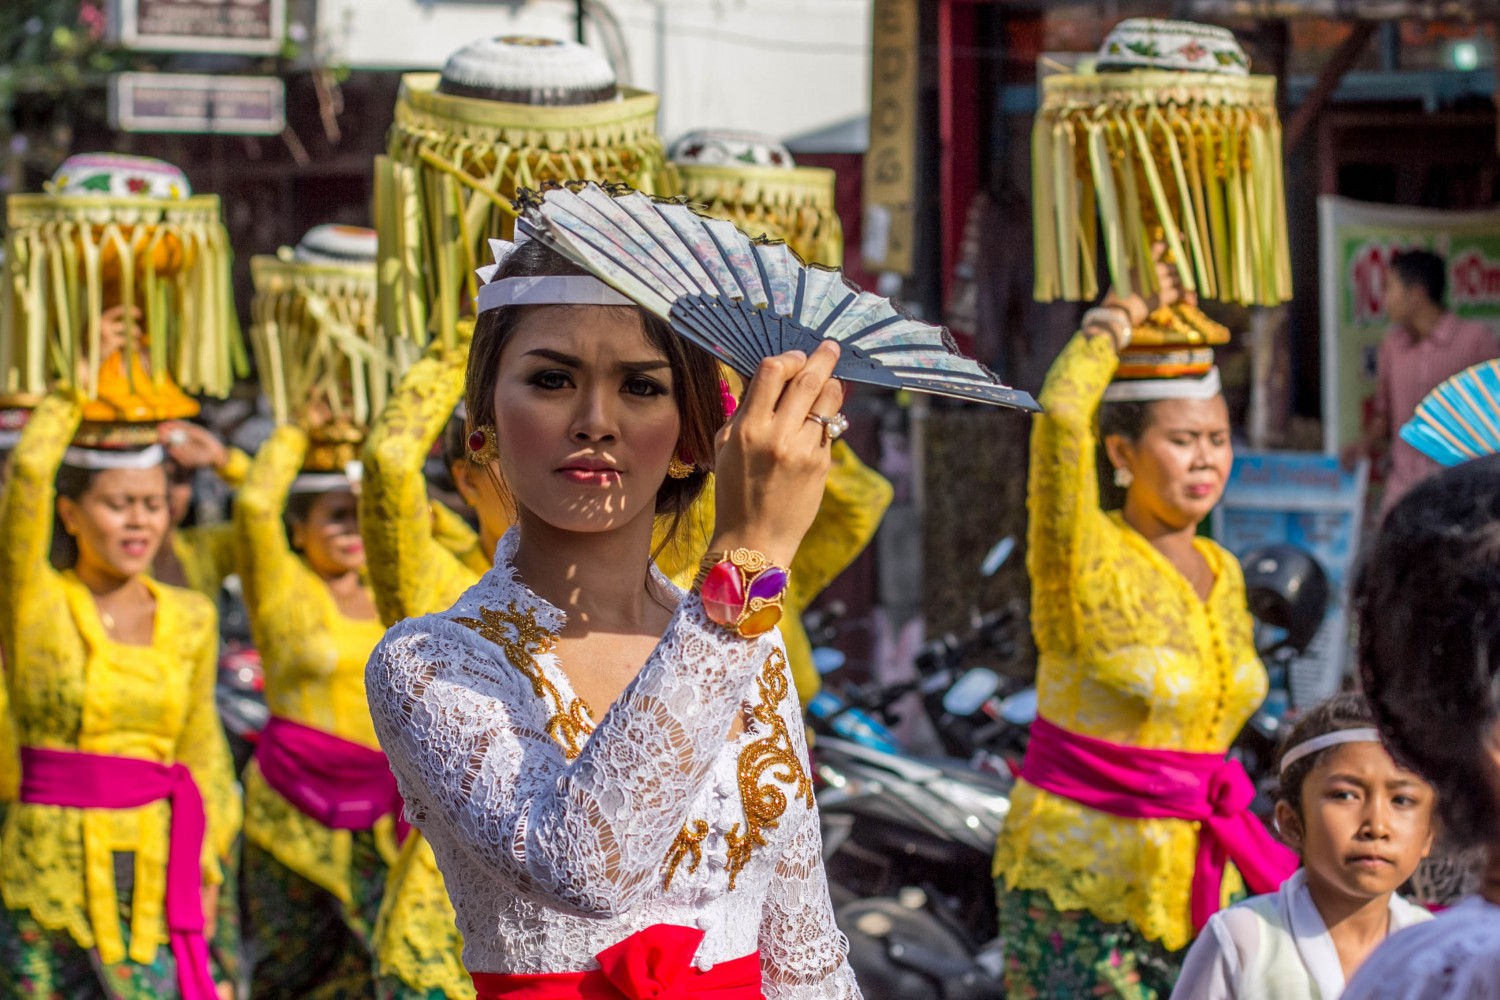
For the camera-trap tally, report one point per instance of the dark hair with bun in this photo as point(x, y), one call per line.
point(695, 375)
point(1343, 711)
point(1428, 606)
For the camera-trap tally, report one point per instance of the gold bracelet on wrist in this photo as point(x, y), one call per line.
point(742, 590)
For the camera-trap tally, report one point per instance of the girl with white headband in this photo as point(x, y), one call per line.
point(1361, 824)
point(611, 772)
point(1129, 828)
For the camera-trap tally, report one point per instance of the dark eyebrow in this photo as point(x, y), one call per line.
point(558, 356)
point(629, 367)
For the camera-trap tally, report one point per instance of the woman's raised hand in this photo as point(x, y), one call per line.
point(772, 459)
point(1169, 291)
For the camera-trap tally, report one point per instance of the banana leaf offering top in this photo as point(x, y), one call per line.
point(1169, 140)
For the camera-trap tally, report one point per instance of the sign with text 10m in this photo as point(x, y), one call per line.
point(250, 27)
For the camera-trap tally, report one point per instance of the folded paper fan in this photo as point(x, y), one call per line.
point(743, 300)
point(1460, 419)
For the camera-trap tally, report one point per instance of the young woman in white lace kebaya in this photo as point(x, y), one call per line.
point(612, 772)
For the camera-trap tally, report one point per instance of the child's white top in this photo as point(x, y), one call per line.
point(1455, 957)
point(1273, 947)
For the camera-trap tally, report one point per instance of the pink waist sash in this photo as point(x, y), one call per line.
point(95, 781)
point(653, 964)
point(1137, 783)
point(341, 784)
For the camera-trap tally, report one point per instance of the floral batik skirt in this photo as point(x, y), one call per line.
point(301, 941)
point(42, 964)
point(1053, 954)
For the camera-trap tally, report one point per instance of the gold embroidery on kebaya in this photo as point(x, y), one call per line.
point(773, 756)
point(521, 637)
point(689, 845)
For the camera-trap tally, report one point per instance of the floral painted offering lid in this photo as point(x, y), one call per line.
point(120, 176)
point(336, 244)
point(714, 147)
point(524, 69)
point(1174, 46)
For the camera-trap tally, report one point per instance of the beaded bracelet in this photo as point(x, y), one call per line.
point(742, 590)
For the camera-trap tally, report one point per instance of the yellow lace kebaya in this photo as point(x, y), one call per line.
point(314, 659)
point(73, 688)
point(1129, 654)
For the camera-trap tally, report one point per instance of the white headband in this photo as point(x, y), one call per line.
point(1336, 738)
point(101, 460)
point(1150, 390)
point(9, 439)
point(550, 290)
point(328, 482)
point(546, 290)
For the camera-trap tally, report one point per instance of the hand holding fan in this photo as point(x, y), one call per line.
point(744, 300)
point(1460, 419)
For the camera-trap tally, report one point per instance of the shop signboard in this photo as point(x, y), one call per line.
point(252, 27)
point(1311, 501)
point(193, 103)
point(1357, 241)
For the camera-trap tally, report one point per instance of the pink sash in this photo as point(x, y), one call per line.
point(653, 964)
point(1137, 783)
point(341, 784)
point(75, 780)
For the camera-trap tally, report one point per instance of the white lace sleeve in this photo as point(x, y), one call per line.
point(468, 740)
point(803, 954)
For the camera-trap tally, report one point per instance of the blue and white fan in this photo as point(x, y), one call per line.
point(1460, 419)
point(743, 300)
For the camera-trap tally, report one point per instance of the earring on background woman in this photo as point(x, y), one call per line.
point(678, 469)
point(1123, 477)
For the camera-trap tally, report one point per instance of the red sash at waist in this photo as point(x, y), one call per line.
point(75, 780)
point(1139, 783)
point(653, 964)
point(341, 784)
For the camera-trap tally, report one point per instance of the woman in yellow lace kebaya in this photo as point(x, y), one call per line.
point(1147, 671)
point(108, 864)
point(320, 805)
point(201, 556)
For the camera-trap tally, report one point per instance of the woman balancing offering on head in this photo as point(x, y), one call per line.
point(1362, 824)
point(611, 772)
point(320, 804)
point(111, 861)
point(1122, 831)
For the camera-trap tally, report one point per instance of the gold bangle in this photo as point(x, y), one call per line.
point(742, 590)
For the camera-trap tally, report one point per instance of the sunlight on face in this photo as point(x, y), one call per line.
point(120, 521)
point(1182, 459)
point(585, 418)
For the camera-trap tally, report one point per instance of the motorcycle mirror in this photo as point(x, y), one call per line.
point(1020, 708)
point(827, 660)
point(971, 691)
point(997, 556)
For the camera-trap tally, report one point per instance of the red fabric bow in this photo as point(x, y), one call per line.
point(653, 964)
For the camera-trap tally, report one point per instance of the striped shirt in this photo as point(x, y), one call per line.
point(1408, 369)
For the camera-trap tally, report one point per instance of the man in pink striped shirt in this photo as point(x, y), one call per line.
point(1427, 345)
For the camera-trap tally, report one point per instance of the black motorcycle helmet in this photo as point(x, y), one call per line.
point(1287, 590)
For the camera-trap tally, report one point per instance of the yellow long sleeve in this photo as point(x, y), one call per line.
point(410, 571)
point(73, 688)
point(314, 659)
point(1129, 654)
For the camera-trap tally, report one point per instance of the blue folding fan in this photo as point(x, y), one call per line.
point(1460, 419)
point(743, 300)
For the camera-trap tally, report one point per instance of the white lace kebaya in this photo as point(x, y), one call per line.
point(557, 840)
